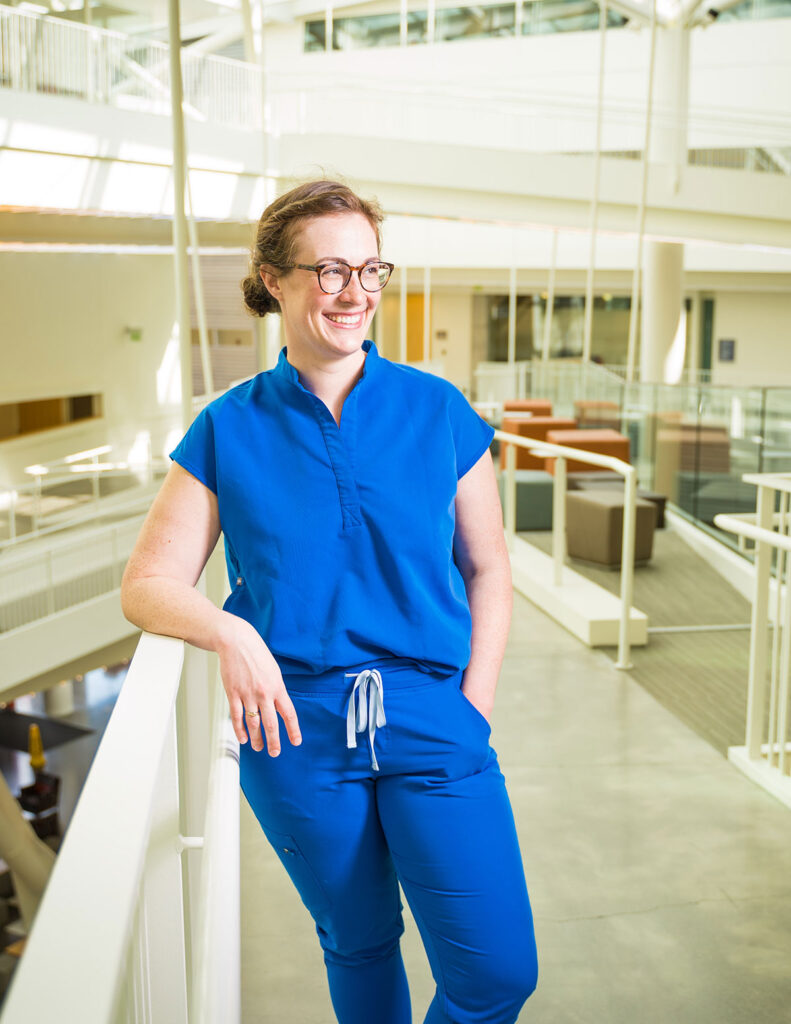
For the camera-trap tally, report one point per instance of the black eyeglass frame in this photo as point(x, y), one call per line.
point(318, 267)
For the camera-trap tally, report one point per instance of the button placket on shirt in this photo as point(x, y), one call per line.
point(340, 442)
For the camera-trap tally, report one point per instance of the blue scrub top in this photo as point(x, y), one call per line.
point(339, 540)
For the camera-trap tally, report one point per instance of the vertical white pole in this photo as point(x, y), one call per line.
point(426, 314)
point(775, 659)
point(510, 494)
point(402, 317)
point(594, 211)
point(694, 338)
point(627, 566)
point(179, 218)
point(759, 625)
point(785, 666)
point(404, 23)
point(431, 19)
point(328, 27)
point(197, 291)
point(512, 317)
point(550, 298)
point(518, 19)
point(559, 519)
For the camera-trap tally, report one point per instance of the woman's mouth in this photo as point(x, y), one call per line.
point(349, 320)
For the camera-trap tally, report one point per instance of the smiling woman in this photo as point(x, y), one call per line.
point(371, 593)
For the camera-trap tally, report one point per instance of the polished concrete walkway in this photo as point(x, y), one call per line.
point(660, 877)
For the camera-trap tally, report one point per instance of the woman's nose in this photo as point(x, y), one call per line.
point(354, 291)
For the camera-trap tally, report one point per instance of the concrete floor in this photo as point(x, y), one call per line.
point(660, 877)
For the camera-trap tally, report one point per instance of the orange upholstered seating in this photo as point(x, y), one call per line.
point(538, 406)
point(604, 442)
point(597, 413)
point(535, 427)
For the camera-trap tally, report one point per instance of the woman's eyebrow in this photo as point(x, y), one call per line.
point(339, 259)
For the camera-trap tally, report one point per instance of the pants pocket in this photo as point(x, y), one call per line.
point(300, 872)
point(474, 712)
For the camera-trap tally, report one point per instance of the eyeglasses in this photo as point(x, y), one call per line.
point(334, 275)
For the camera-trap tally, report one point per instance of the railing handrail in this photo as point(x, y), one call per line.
point(93, 888)
point(91, 512)
point(562, 453)
point(13, 559)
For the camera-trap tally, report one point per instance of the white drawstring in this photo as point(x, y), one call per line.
point(370, 709)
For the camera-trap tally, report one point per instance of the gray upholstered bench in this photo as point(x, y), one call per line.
point(594, 527)
point(533, 498)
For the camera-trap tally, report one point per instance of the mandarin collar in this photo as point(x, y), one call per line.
point(287, 370)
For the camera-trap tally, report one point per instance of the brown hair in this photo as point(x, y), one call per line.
point(277, 231)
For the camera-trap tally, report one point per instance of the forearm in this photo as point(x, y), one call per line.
point(490, 596)
point(160, 604)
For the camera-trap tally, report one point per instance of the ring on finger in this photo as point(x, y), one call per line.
point(252, 714)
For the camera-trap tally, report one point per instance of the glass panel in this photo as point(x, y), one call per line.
point(474, 22)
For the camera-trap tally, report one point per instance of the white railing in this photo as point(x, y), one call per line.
point(562, 453)
point(119, 936)
point(49, 55)
point(71, 569)
point(766, 754)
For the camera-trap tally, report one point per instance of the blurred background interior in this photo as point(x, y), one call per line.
point(589, 209)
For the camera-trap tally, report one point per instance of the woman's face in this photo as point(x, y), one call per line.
point(316, 324)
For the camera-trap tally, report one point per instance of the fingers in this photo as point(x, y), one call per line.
point(289, 716)
point(237, 719)
point(271, 728)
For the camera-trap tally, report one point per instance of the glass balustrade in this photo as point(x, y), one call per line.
point(690, 442)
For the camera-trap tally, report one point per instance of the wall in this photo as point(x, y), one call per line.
point(760, 324)
point(62, 329)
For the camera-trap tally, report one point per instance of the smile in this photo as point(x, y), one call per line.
point(346, 319)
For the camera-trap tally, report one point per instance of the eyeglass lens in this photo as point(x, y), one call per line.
point(333, 277)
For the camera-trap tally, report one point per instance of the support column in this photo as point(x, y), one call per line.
point(662, 302)
point(662, 284)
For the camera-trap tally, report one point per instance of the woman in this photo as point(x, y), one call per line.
point(371, 595)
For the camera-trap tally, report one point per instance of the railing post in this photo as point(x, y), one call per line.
point(627, 566)
point(510, 494)
point(756, 686)
point(50, 583)
point(559, 519)
point(162, 904)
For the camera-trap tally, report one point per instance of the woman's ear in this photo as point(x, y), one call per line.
point(270, 280)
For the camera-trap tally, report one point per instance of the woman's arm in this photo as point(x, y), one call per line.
point(482, 556)
point(158, 594)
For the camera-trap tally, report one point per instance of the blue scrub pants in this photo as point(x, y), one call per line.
point(419, 800)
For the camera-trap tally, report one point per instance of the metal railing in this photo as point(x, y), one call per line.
point(71, 569)
point(43, 54)
point(766, 754)
point(691, 442)
point(48, 55)
point(126, 931)
point(562, 453)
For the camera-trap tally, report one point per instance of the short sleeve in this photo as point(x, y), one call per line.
point(196, 451)
point(472, 435)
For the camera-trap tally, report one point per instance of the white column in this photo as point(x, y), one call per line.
point(180, 259)
point(512, 315)
point(328, 26)
point(662, 303)
point(402, 357)
point(550, 299)
point(404, 23)
point(662, 284)
point(694, 337)
point(59, 699)
point(426, 313)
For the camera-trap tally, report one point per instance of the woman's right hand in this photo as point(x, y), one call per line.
point(252, 680)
